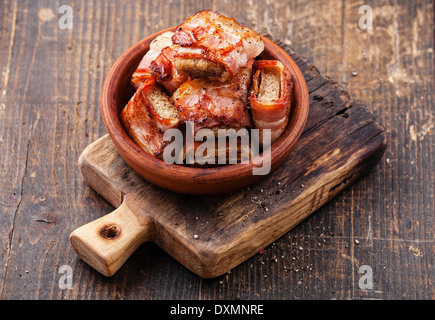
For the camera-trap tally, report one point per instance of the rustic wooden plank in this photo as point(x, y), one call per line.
point(392, 66)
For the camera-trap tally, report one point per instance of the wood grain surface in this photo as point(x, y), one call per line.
point(50, 84)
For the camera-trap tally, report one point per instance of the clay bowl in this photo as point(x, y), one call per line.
point(117, 91)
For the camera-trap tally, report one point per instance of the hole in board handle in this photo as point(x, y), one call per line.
point(110, 231)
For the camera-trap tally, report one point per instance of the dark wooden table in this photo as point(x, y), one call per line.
point(50, 83)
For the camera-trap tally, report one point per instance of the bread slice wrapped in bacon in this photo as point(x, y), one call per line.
point(209, 44)
point(210, 103)
point(270, 97)
point(148, 114)
point(167, 75)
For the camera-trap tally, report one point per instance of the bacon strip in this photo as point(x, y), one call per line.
point(270, 97)
point(212, 103)
point(216, 38)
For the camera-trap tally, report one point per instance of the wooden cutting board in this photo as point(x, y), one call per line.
point(212, 234)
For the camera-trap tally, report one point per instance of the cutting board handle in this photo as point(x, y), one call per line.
point(106, 243)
